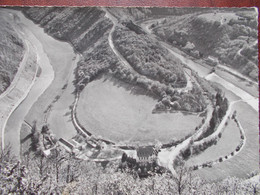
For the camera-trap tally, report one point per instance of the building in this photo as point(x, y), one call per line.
point(146, 154)
point(212, 61)
point(143, 160)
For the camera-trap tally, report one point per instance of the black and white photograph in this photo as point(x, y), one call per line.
point(129, 100)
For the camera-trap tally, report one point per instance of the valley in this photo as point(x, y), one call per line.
point(101, 84)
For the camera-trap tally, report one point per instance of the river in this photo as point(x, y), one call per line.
point(49, 52)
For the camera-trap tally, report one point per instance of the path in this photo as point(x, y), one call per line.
point(246, 97)
point(125, 62)
point(232, 154)
point(166, 156)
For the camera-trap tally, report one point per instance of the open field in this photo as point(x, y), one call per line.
point(247, 159)
point(121, 112)
point(220, 17)
point(249, 99)
point(228, 142)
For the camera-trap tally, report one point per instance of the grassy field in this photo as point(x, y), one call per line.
point(247, 160)
point(121, 112)
point(227, 144)
point(221, 17)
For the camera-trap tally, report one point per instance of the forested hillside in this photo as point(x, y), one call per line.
point(11, 53)
point(86, 29)
point(229, 37)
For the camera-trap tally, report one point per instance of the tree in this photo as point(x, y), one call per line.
point(183, 179)
point(34, 146)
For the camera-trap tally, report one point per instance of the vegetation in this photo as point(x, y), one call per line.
point(83, 28)
point(221, 106)
point(95, 62)
point(11, 53)
point(231, 39)
point(148, 58)
point(153, 69)
point(61, 173)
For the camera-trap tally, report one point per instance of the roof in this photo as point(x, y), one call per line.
point(145, 152)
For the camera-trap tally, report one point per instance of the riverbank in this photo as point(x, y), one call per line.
point(56, 60)
point(19, 88)
point(61, 57)
point(14, 123)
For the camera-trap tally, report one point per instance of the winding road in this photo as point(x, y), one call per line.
point(167, 156)
point(189, 85)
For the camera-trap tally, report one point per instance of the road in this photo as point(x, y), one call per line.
point(246, 97)
point(167, 156)
point(189, 85)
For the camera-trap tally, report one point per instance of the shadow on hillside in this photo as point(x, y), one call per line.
point(133, 89)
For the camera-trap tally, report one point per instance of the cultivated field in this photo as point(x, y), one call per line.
point(121, 112)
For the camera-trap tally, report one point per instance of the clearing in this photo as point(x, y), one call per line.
point(220, 17)
point(118, 111)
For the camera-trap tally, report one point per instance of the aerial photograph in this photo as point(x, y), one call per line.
point(129, 101)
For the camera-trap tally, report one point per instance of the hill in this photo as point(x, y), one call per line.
point(11, 52)
point(88, 30)
point(230, 37)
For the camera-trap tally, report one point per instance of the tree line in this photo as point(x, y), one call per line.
point(63, 174)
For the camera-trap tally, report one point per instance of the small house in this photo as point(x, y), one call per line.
point(212, 61)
